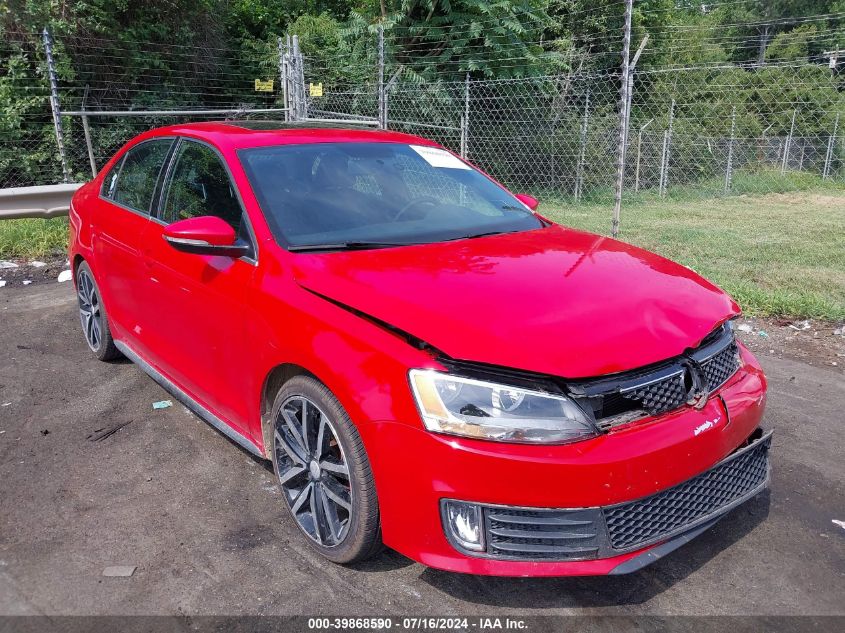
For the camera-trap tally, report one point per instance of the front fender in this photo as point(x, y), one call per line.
point(363, 364)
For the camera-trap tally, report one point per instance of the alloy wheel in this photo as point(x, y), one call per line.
point(313, 471)
point(90, 312)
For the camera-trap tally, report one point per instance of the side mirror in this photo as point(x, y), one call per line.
point(205, 235)
point(529, 201)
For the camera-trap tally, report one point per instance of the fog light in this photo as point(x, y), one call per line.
point(463, 520)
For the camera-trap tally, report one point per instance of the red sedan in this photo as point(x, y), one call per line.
point(428, 363)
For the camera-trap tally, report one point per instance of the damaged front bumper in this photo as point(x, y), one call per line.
point(670, 517)
point(648, 462)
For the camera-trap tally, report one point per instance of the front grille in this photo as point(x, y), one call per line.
point(640, 522)
point(661, 388)
point(623, 397)
point(721, 366)
point(660, 396)
point(540, 534)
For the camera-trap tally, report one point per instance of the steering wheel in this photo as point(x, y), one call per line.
point(414, 203)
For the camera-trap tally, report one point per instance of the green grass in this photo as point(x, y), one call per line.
point(32, 239)
point(777, 253)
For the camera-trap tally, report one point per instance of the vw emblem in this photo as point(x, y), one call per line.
point(695, 385)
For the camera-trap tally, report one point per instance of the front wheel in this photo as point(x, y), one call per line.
point(324, 472)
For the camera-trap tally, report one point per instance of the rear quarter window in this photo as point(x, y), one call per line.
point(134, 183)
point(110, 181)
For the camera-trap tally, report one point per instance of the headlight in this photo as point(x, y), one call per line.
point(490, 411)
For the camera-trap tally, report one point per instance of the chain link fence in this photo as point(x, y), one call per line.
point(711, 130)
point(106, 92)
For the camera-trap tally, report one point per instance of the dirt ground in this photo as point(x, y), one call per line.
point(92, 477)
point(817, 343)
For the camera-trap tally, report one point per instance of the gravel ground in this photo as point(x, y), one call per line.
point(93, 477)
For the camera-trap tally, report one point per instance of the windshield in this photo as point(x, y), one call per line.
point(376, 194)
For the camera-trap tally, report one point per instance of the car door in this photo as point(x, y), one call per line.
point(199, 299)
point(120, 220)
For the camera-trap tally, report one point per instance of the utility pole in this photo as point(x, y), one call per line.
point(623, 106)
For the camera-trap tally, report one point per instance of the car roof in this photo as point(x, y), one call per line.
point(242, 134)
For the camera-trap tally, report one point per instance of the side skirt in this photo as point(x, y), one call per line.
point(195, 407)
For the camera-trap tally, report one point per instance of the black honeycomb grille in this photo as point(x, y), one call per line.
point(546, 534)
point(720, 367)
point(643, 521)
point(660, 396)
point(657, 396)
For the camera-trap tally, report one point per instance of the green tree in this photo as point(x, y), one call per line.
point(443, 39)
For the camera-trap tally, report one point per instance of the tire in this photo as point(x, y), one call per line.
point(92, 315)
point(310, 472)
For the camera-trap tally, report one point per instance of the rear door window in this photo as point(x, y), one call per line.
point(137, 179)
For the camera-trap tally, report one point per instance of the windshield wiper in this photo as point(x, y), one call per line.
point(472, 236)
point(344, 246)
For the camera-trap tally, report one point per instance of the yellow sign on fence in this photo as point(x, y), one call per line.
point(315, 90)
point(264, 86)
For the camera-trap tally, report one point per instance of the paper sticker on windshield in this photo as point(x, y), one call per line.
point(437, 157)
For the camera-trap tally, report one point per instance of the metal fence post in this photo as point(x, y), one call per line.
point(283, 78)
point(465, 125)
point(632, 67)
point(290, 73)
point(623, 106)
point(831, 143)
point(295, 96)
point(639, 154)
point(87, 131)
point(54, 103)
point(301, 104)
point(786, 148)
point(301, 65)
point(88, 143)
point(667, 150)
point(288, 90)
point(730, 166)
point(382, 122)
point(582, 150)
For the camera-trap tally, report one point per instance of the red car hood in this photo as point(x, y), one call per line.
point(553, 300)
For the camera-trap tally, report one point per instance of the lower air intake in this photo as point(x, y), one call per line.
point(641, 522)
point(540, 534)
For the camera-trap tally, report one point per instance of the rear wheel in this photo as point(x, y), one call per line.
point(92, 315)
point(324, 473)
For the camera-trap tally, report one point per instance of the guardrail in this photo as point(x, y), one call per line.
point(45, 201)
